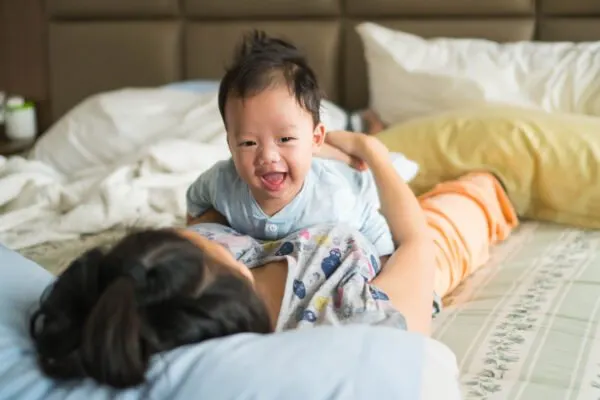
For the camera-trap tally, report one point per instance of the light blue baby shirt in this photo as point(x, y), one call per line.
point(332, 192)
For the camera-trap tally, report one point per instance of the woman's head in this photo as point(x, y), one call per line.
point(110, 311)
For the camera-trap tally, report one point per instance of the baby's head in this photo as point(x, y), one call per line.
point(155, 290)
point(270, 103)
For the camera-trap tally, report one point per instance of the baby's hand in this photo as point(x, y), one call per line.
point(357, 145)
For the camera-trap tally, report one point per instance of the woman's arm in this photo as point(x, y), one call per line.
point(408, 276)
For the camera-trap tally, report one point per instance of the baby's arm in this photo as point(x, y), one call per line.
point(200, 198)
point(210, 215)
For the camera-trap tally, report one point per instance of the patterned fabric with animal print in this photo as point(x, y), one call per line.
point(329, 270)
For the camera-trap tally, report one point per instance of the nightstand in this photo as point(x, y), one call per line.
point(11, 147)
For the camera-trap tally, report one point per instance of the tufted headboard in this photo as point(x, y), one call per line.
point(97, 45)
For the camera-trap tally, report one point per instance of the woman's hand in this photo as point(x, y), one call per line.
point(357, 145)
point(333, 153)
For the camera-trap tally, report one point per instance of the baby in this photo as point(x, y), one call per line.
point(272, 186)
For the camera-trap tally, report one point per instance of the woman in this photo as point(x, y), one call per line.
point(156, 290)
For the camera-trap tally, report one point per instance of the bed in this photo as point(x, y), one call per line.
point(523, 327)
point(527, 325)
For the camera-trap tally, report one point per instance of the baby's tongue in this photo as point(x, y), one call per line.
point(274, 178)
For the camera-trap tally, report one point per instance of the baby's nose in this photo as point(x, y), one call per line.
point(269, 156)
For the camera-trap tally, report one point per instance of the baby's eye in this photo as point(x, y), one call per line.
point(287, 139)
point(247, 143)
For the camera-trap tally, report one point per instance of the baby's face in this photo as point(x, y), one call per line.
point(272, 141)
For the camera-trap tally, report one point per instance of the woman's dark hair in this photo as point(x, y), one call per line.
point(261, 62)
point(110, 311)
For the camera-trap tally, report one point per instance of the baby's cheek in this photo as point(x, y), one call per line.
point(243, 162)
point(300, 165)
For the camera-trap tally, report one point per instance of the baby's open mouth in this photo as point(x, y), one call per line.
point(273, 181)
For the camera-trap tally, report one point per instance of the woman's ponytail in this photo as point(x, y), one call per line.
point(112, 351)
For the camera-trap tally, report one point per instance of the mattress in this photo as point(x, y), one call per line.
point(525, 326)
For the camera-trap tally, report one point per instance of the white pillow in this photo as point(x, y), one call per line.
point(410, 76)
point(333, 116)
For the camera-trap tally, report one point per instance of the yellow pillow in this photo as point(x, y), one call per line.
point(549, 163)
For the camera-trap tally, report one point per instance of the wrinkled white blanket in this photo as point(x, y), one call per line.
point(40, 204)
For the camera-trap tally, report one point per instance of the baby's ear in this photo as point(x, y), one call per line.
point(318, 136)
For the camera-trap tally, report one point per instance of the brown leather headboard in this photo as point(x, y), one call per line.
point(98, 45)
